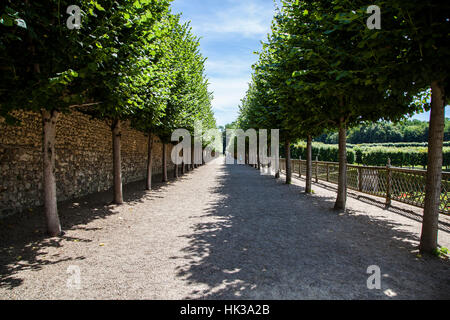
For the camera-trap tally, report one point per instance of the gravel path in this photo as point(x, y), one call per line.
point(220, 232)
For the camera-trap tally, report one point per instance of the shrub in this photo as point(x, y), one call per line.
point(373, 154)
point(325, 152)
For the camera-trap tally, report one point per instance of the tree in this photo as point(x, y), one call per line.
point(337, 73)
point(115, 67)
point(126, 44)
point(411, 49)
point(188, 99)
point(41, 62)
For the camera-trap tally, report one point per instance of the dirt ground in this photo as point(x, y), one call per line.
point(221, 232)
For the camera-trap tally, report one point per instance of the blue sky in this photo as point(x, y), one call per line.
point(230, 31)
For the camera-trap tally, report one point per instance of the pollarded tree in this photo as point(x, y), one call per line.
point(338, 73)
point(411, 48)
point(154, 91)
point(263, 112)
point(126, 48)
point(42, 62)
point(271, 96)
point(188, 97)
point(301, 113)
point(262, 105)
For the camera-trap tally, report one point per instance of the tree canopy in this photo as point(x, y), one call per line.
point(124, 61)
point(323, 69)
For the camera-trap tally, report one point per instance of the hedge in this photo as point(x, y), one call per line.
point(396, 144)
point(371, 155)
point(325, 152)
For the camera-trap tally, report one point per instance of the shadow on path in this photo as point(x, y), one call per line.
point(267, 240)
point(23, 238)
point(395, 207)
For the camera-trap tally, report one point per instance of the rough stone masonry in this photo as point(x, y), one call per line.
point(83, 159)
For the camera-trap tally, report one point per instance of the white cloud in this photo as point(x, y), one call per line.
point(231, 31)
point(224, 118)
point(229, 82)
point(228, 92)
point(230, 66)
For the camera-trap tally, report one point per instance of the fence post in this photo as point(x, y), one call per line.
point(360, 185)
point(317, 169)
point(388, 182)
point(328, 172)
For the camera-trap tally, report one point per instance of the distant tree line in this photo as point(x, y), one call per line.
point(386, 132)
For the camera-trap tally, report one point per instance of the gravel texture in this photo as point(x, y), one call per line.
point(222, 232)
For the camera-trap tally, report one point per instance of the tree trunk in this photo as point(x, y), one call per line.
point(149, 162)
point(49, 120)
point(117, 162)
point(308, 187)
point(164, 163)
point(287, 151)
point(342, 180)
point(428, 240)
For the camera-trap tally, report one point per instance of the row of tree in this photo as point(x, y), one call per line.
point(323, 69)
point(386, 132)
point(127, 61)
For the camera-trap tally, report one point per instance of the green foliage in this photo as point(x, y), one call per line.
point(441, 252)
point(40, 63)
point(411, 46)
point(130, 60)
point(410, 131)
point(325, 152)
point(371, 154)
point(378, 156)
point(400, 144)
point(315, 73)
point(187, 98)
point(400, 156)
point(126, 48)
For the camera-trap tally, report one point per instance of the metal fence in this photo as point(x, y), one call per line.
point(391, 183)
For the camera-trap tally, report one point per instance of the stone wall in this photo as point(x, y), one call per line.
point(83, 159)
